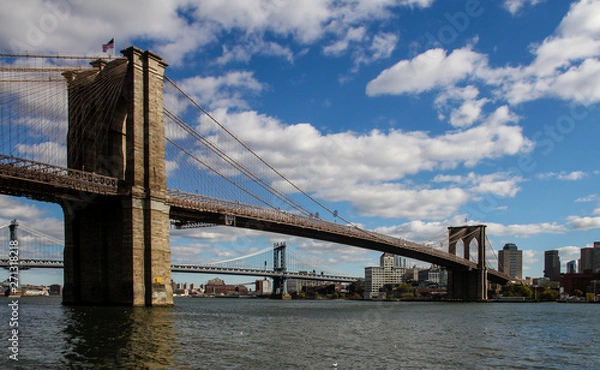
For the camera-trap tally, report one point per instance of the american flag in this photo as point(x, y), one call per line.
point(108, 45)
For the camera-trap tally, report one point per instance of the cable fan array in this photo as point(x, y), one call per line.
point(208, 158)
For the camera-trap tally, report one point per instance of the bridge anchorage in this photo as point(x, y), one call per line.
point(118, 209)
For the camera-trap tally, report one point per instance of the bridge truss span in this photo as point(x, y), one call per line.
point(189, 208)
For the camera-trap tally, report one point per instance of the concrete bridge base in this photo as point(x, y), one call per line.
point(468, 285)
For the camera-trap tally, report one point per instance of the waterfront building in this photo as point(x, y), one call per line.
point(218, 287)
point(590, 259)
point(552, 265)
point(584, 283)
point(298, 285)
point(510, 261)
point(263, 286)
point(386, 273)
point(434, 275)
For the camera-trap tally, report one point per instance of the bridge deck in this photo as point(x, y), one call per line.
point(45, 182)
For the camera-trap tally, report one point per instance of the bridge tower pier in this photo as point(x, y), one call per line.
point(12, 228)
point(280, 266)
point(472, 284)
point(117, 248)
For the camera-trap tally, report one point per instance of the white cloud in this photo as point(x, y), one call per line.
point(47, 152)
point(525, 230)
point(30, 214)
point(396, 201)
point(429, 70)
point(365, 169)
point(514, 6)
point(244, 52)
point(584, 223)
point(500, 184)
point(531, 257)
point(177, 28)
point(436, 232)
point(569, 253)
point(589, 198)
point(352, 35)
point(222, 91)
point(565, 67)
point(380, 47)
point(566, 176)
point(470, 109)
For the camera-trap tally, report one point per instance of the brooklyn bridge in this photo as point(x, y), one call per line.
point(126, 153)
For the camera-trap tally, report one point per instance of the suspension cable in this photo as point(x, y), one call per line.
point(314, 200)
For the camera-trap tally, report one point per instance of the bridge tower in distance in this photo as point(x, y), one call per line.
point(280, 266)
point(14, 225)
point(472, 284)
point(117, 247)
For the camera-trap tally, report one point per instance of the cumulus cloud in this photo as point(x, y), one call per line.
point(531, 257)
point(565, 67)
point(584, 223)
point(367, 169)
point(525, 230)
point(228, 90)
point(31, 215)
point(352, 35)
point(179, 27)
point(431, 69)
point(569, 253)
point(499, 184)
point(469, 110)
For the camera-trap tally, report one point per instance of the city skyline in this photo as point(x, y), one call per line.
point(407, 117)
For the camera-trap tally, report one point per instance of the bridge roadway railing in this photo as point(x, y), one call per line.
point(214, 205)
point(31, 263)
point(45, 174)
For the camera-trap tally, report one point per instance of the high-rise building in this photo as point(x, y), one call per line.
point(552, 265)
point(590, 259)
point(399, 261)
point(386, 273)
point(572, 267)
point(510, 261)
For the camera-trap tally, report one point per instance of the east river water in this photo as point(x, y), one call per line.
point(269, 334)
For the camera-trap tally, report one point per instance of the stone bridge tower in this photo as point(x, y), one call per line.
point(468, 285)
point(117, 247)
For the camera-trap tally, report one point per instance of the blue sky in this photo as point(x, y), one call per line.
point(407, 116)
